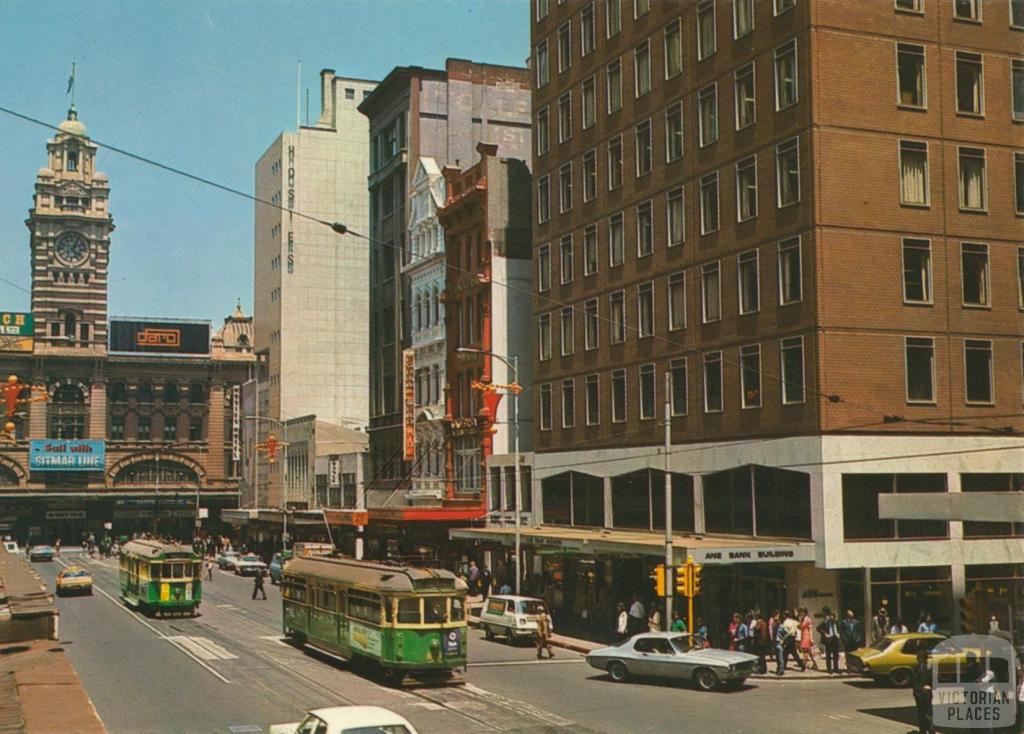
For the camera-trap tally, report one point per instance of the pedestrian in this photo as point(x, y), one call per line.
point(544, 634)
point(637, 616)
point(678, 625)
point(927, 625)
point(56, 546)
point(485, 582)
point(702, 633)
point(993, 624)
point(761, 641)
point(732, 630)
point(654, 620)
point(505, 588)
point(897, 627)
point(257, 584)
point(879, 625)
point(474, 578)
point(741, 635)
point(807, 639)
point(829, 632)
point(922, 682)
point(621, 622)
point(208, 564)
point(790, 633)
point(849, 631)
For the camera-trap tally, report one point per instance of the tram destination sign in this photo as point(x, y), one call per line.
point(186, 338)
point(67, 455)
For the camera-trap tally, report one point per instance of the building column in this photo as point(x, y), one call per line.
point(37, 417)
point(698, 504)
point(609, 518)
point(213, 462)
point(958, 574)
point(97, 409)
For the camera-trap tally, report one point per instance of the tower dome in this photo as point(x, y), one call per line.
point(72, 125)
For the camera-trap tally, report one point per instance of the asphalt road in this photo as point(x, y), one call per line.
point(228, 671)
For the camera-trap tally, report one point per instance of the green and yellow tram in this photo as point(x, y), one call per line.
point(160, 578)
point(389, 619)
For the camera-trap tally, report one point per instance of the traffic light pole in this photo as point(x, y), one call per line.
point(669, 580)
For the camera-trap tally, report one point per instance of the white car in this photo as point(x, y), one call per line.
point(226, 560)
point(249, 565)
point(348, 720)
point(511, 616)
point(11, 546)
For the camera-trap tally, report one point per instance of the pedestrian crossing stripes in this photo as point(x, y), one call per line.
point(201, 647)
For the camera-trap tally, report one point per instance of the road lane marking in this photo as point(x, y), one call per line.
point(120, 605)
point(501, 663)
point(275, 638)
point(201, 647)
point(519, 706)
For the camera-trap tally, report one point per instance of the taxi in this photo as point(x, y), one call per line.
point(74, 580)
point(892, 659)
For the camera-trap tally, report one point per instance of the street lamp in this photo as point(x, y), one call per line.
point(514, 366)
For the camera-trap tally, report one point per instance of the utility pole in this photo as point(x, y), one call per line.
point(518, 474)
point(669, 586)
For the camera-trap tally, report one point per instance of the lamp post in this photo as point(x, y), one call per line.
point(515, 389)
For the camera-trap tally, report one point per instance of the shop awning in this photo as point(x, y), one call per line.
point(705, 549)
point(295, 517)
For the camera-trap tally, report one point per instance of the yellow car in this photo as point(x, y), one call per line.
point(74, 580)
point(893, 658)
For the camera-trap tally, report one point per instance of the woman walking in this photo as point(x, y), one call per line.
point(807, 639)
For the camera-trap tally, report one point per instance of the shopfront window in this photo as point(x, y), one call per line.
point(995, 590)
point(631, 500)
point(992, 483)
point(909, 593)
point(728, 502)
point(682, 501)
point(860, 506)
point(782, 502)
point(557, 494)
point(578, 499)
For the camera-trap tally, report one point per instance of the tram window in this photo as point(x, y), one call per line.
point(458, 609)
point(196, 570)
point(389, 610)
point(328, 599)
point(154, 570)
point(364, 606)
point(408, 611)
point(434, 610)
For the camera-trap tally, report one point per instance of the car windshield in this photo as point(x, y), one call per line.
point(882, 645)
point(75, 574)
point(532, 607)
point(250, 559)
point(392, 729)
point(681, 643)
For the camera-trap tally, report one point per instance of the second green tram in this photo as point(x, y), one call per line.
point(390, 619)
point(160, 578)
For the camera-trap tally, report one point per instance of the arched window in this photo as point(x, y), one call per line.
point(417, 321)
point(8, 477)
point(67, 412)
point(145, 392)
point(433, 306)
point(171, 392)
point(70, 325)
point(196, 394)
point(118, 392)
point(151, 472)
point(68, 395)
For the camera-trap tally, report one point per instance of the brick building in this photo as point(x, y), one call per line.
point(808, 213)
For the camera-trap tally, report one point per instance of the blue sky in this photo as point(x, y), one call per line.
point(203, 86)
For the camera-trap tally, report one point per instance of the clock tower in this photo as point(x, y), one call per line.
point(70, 227)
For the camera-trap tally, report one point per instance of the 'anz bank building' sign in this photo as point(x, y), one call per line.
point(723, 556)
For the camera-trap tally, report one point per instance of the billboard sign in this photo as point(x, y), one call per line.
point(16, 330)
point(189, 338)
point(67, 455)
point(409, 403)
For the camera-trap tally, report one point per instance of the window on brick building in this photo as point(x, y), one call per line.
point(568, 332)
point(565, 187)
point(645, 309)
point(170, 428)
point(913, 173)
point(117, 428)
point(543, 268)
point(917, 270)
point(748, 279)
point(644, 229)
point(674, 132)
point(591, 323)
point(593, 389)
point(711, 292)
point(195, 429)
point(792, 354)
point(910, 71)
point(790, 272)
point(705, 29)
point(542, 9)
point(541, 58)
point(644, 148)
point(589, 175)
point(673, 49)
point(742, 17)
point(677, 371)
point(613, 17)
point(617, 317)
point(544, 337)
point(972, 184)
point(978, 371)
point(543, 199)
point(618, 396)
point(750, 376)
point(1017, 13)
point(1018, 182)
point(142, 428)
point(616, 240)
point(1020, 278)
point(614, 79)
point(786, 94)
point(568, 403)
point(589, 95)
point(565, 259)
point(781, 6)
point(647, 391)
point(746, 189)
point(677, 301)
point(564, 46)
point(975, 274)
point(565, 117)
point(746, 103)
point(615, 162)
point(787, 172)
point(674, 212)
point(1017, 87)
point(588, 34)
point(713, 382)
point(920, 367)
point(641, 7)
point(909, 6)
point(590, 249)
point(709, 203)
point(543, 132)
point(707, 102)
point(970, 90)
point(967, 10)
point(544, 393)
point(642, 69)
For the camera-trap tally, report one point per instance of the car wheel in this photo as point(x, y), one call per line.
point(901, 677)
point(488, 633)
point(705, 679)
point(617, 671)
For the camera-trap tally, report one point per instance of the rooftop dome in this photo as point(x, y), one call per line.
point(44, 173)
point(72, 125)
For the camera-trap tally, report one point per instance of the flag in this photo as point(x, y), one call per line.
point(71, 83)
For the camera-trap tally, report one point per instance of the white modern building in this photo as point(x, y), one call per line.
point(310, 284)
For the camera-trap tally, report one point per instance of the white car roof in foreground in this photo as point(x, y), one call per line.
point(356, 716)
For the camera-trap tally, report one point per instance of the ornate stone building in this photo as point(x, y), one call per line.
point(134, 421)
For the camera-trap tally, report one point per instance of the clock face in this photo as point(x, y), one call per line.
point(72, 248)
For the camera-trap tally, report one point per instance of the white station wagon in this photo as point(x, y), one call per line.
point(511, 616)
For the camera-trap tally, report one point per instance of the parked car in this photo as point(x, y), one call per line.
point(892, 659)
point(670, 655)
point(249, 565)
point(277, 566)
point(11, 547)
point(74, 580)
point(348, 720)
point(511, 616)
point(41, 553)
point(226, 560)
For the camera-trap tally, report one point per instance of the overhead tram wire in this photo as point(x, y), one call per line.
point(342, 229)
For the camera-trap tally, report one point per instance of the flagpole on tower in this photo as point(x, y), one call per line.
point(71, 85)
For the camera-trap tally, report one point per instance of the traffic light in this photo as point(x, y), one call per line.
point(695, 579)
point(659, 580)
point(683, 580)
